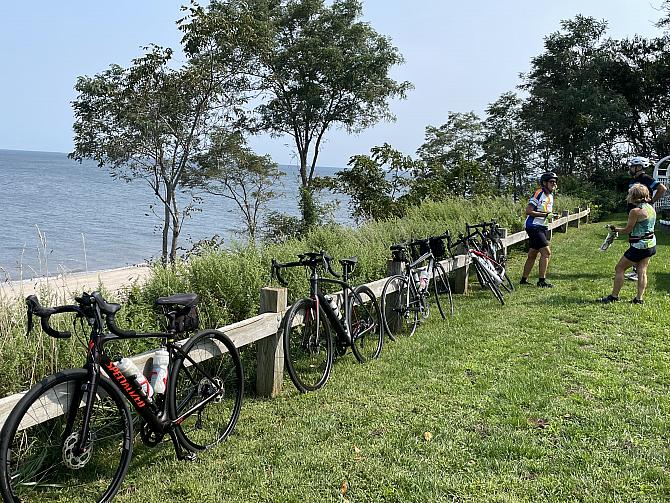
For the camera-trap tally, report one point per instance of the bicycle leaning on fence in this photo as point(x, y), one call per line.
point(488, 241)
point(406, 296)
point(485, 267)
point(72, 433)
point(309, 344)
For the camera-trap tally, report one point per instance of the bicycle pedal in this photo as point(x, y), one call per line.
point(191, 456)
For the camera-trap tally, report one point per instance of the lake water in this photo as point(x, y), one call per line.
point(61, 216)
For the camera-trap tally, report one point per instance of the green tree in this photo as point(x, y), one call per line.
point(377, 183)
point(570, 102)
point(231, 170)
point(452, 160)
point(508, 144)
point(149, 121)
point(316, 66)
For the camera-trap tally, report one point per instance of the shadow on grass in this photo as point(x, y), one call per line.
point(662, 280)
point(577, 276)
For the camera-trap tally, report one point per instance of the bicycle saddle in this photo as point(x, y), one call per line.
point(350, 261)
point(178, 299)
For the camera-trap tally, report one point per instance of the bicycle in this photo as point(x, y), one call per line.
point(406, 296)
point(73, 432)
point(491, 244)
point(485, 267)
point(308, 342)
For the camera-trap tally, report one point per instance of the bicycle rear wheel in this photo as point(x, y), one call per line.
point(308, 345)
point(208, 382)
point(366, 326)
point(399, 307)
point(37, 456)
point(442, 289)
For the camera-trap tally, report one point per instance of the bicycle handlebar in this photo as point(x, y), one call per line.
point(45, 313)
point(308, 259)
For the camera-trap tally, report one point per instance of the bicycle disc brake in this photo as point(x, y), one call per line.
point(70, 459)
point(208, 387)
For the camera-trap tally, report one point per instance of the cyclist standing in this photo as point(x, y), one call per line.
point(640, 227)
point(538, 214)
point(636, 169)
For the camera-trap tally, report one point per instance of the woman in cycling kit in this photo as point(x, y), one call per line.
point(640, 227)
point(538, 214)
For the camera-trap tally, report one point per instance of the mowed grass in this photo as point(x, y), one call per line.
point(551, 397)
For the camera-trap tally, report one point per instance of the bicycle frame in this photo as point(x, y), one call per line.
point(150, 412)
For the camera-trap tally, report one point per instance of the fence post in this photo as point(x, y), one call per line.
point(564, 227)
point(502, 234)
point(461, 273)
point(270, 350)
point(575, 222)
point(394, 267)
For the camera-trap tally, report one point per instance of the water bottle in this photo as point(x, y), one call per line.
point(332, 301)
point(159, 371)
point(131, 372)
point(423, 279)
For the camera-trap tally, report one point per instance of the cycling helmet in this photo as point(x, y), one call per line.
point(642, 162)
point(549, 175)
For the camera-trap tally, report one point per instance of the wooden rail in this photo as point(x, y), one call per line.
point(264, 328)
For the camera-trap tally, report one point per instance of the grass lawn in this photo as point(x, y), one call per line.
point(551, 397)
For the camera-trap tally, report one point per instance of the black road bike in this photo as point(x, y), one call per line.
point(72, 433)
point(406, 297)
point(308, 325)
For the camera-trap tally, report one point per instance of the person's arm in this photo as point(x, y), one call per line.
point(660, 190)
point(532, 211)
point(633, 217)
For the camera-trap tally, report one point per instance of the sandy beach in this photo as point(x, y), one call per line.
point(66, 286)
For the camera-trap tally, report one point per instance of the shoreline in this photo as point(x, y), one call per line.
point(66, 286)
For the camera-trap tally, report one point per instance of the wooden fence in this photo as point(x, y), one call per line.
point(264, 328)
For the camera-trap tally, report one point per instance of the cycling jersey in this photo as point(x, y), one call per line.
point(650, 182)
point(540, 201)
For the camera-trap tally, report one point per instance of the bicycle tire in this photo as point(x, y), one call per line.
point(36, 456)
point(308, 348)
point(219, 372)
point(366, 325)
point(397, 314)
point(442, 291)
point(489, 282)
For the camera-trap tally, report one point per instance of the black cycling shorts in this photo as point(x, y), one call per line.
point(538, 237)
point(637, 254)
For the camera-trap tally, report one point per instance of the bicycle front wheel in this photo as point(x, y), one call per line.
point(207, 385)
point(39, 459)
point(488, 282)
point(308, 345)
point(399, 307)
point(366, 326)
point(442, 290)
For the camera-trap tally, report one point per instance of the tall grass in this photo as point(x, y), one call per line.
point(228, 282)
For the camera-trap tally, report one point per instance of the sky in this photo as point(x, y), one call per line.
point(460, 56)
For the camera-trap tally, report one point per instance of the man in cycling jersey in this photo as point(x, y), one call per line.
point(636, 169)
point(538, 215)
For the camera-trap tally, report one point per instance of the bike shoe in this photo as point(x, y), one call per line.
point(544, 284)
point(608, 299)
point(524, 281)
point(637, 301)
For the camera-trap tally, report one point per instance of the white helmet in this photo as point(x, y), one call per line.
point(638, 161)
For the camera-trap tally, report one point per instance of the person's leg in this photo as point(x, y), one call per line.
point(545, 255)
point(619, 271)
point(642, 277)
point(530, 262)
